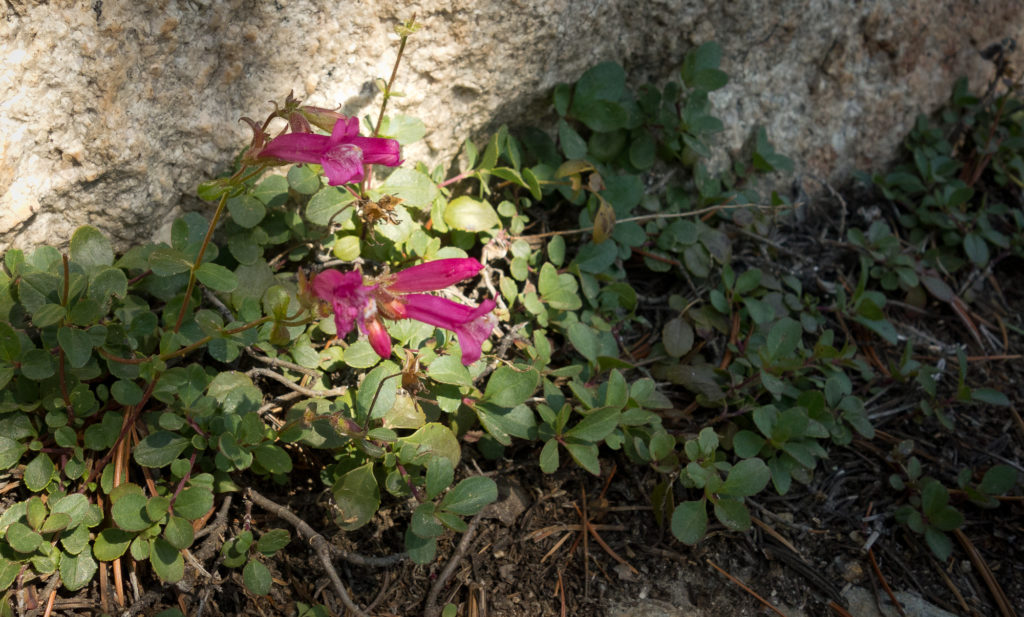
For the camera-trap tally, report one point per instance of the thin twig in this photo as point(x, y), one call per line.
point(317, 541)
point(432, 609)
point(885, 584)
point(648, 217)
point(1005, 608)
point(746, 589)
point(265, 372)
point(291, 366)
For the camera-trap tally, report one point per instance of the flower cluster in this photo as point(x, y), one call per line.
point(343, 154)
point(397, 296)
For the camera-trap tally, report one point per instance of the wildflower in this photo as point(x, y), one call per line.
point(395, 296)
point(342, 154)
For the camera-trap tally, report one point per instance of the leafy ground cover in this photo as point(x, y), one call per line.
point(648, 378)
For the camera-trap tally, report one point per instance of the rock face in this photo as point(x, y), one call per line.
point(112, 114)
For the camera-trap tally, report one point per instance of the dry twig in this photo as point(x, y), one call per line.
point(317, 541)
point(432, 609)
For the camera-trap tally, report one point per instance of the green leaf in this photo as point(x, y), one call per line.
point(998, 480)
point(236, 550)
point(434, 439)
point(37, 364)
point(990, 396)
point(584, 339)
point(111, 543)
point(327, 204)
point(193, 503)
point(166, 261)
point(440, 475)
point(677, 335)
point(10, 452)
point(415, 188)
point(129, 512)
point(690, 521)
point(217, 277)
point(108, 282)
point(246, 211)
point(420, 550)
point(549, 457)
point(77, 345)
point(600, 115)
point(90, 248)
point(160, 448)
point(55, 522)
point(39, 472)
point(946, 518)
point(126, 392)
point(642, 151)
point(747, 477)
point(470, 496)
point(178, 532)
point(585, 455)
point(597, 424)
point(77, 571)
point(167, 561)
point(273, 458)
point(573, 146)
point(939, 543)
point(256, 577)
point(976, 249)
point(48, 314)
point(502, 423)
point(273, 541)
point(732, 513)
point(782, 340)
point(468, 214)
point(449, 370)
point(23, 538)
point(358, 497)
point(558, 290)
point(303, 179)
point(509, 387)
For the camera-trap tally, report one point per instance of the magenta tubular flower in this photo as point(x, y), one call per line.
point(342, 154)
point(395, 297)
point(433, 275)
point(349, 298)
point(471, 325)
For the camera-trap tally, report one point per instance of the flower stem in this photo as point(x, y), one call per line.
point(199, 260)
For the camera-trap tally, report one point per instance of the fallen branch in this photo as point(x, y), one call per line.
point(317, 541)
point(432, 609)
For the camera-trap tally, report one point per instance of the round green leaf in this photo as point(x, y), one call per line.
point(273, 458)
point(194, 502)
point(273, 541)
point(256, 577)
point(468, 214)
point(167, 561)
point(76, 571)
point(10, 452)
point(358, 497)
point(159, 448)
point(39, 472)
point(179, 533)
point(217, 277)
point(509, 387)
point(111, 543)
point(23, 538)
point(690, 521)
point(90, 248)
point(129, 512)
point(747, 477)
point(732, 513)
point(126, 392)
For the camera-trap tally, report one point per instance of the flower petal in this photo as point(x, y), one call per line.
point(342, 164)
point(471, 325)
point(378, 150)
point(434, 275)
point(346, 294)
point(378, 336)
point(296, 148)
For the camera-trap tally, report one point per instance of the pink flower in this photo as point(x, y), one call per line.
point(394, 297)
point(342, 154)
